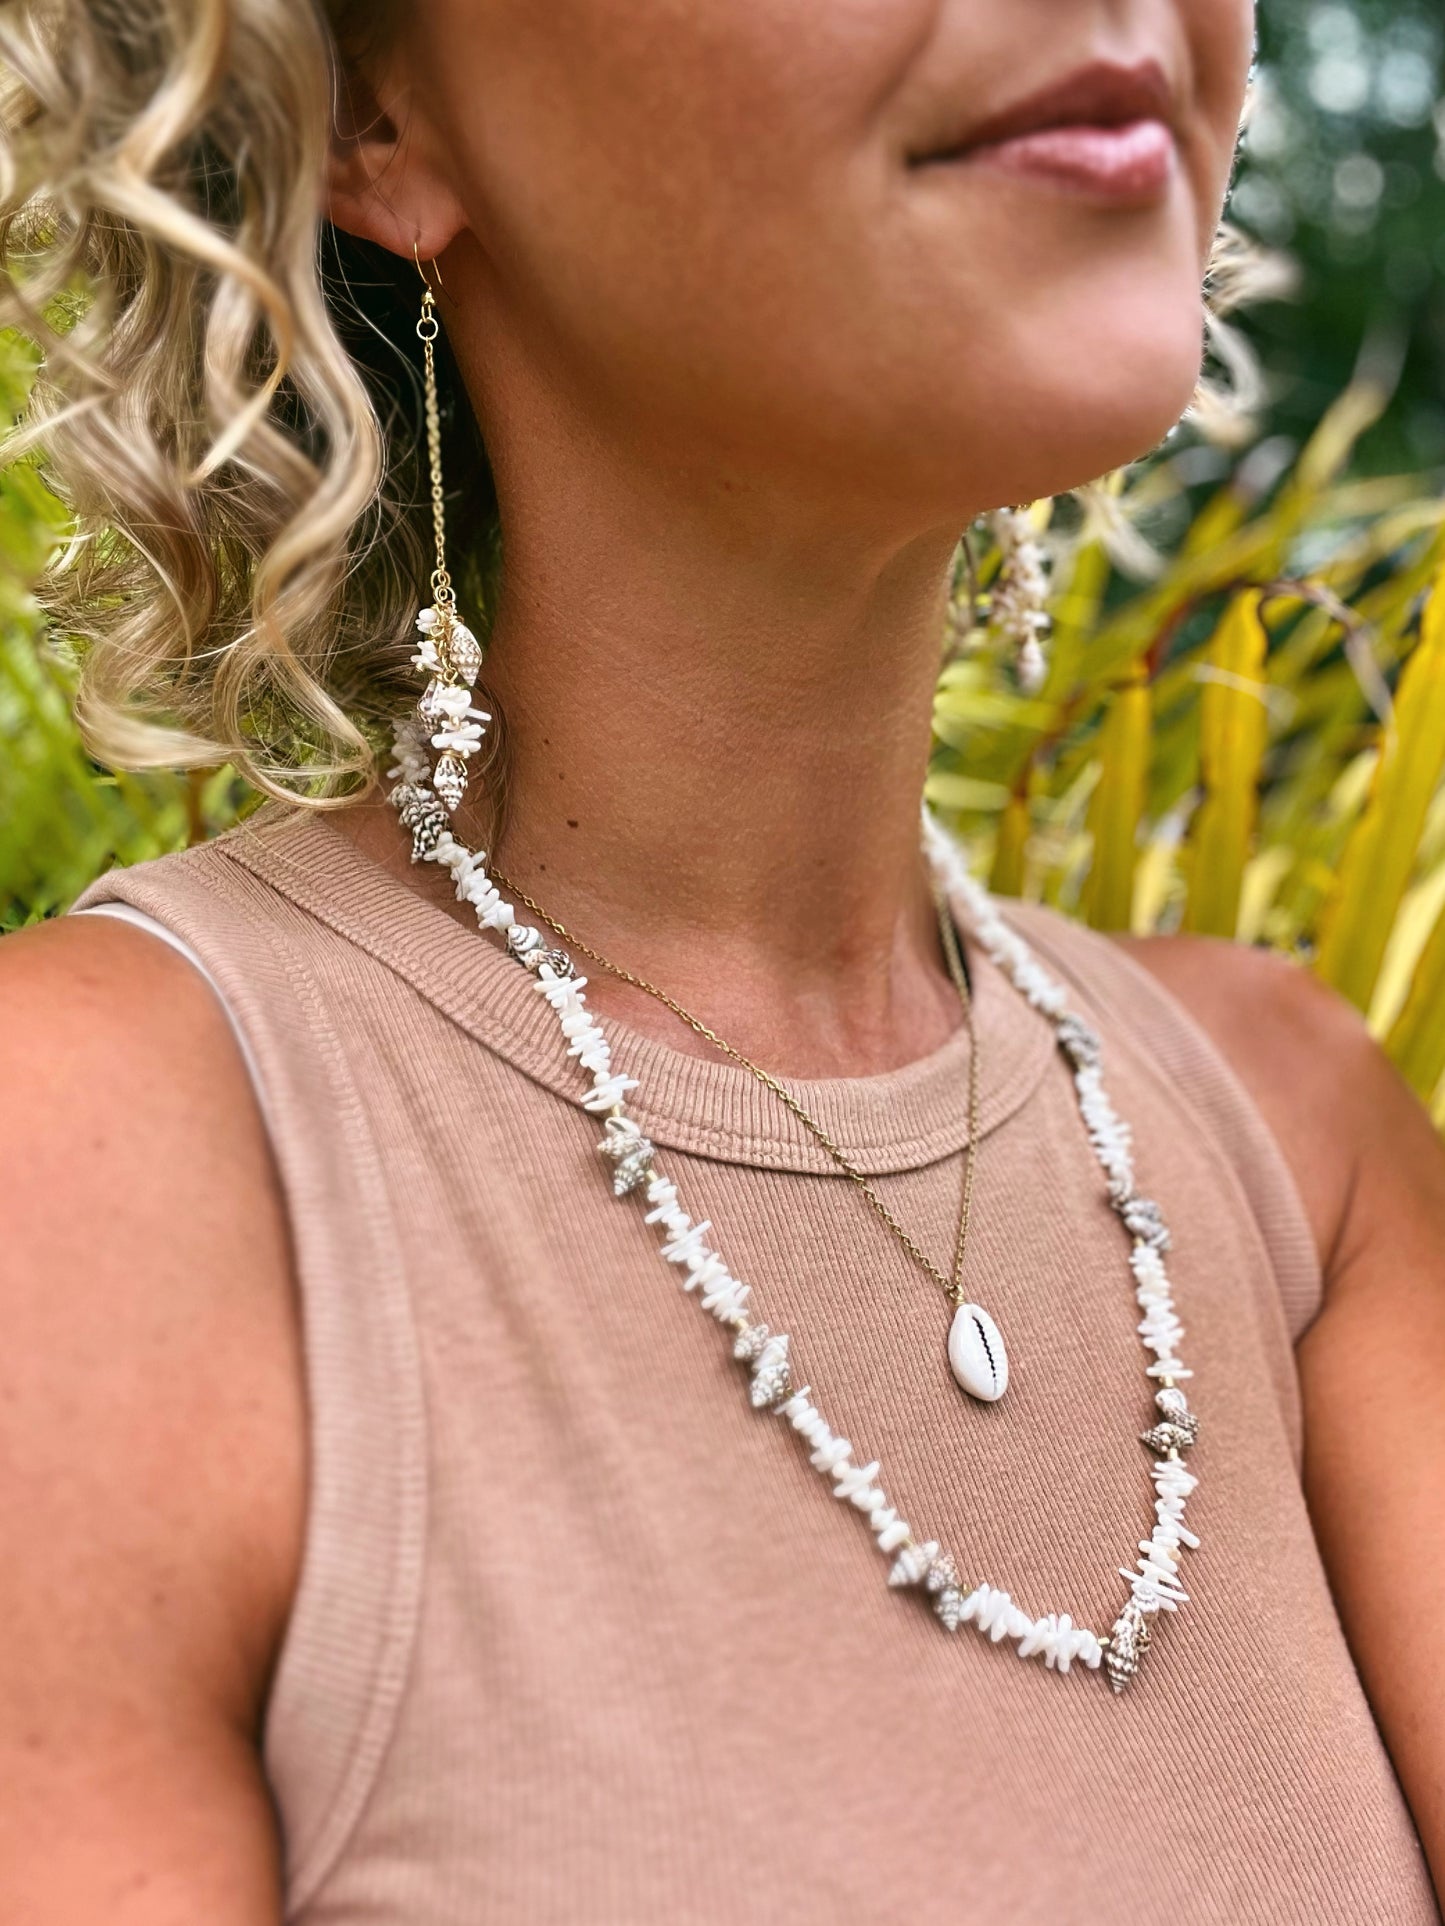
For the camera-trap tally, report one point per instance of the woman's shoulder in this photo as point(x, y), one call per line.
point(1328, 1140)
point(1268, 1059)
point(145, 1233)
point(115, 1045)
point(152, 1424)
point(115, 1040)
point(1318, 1078)
point(1261, 1010)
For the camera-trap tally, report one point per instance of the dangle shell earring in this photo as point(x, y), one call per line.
point(1018, 601)
point(448, 654)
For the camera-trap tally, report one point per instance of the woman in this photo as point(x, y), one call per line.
point(387, 1537)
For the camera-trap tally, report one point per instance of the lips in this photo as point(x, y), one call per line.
point(1105, 129)
point(1103, 94)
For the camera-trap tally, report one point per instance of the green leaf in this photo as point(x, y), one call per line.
point(1381, 853)
point(1233, 730)
point(1417, 1039)
point(963, 794)
point(1117, 806)
point(1010, 856)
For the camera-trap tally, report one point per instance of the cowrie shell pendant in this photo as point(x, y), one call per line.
point(976, 1354)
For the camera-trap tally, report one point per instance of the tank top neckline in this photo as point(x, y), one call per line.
point(894, 1121)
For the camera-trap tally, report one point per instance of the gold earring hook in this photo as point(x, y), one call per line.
point(425, 278)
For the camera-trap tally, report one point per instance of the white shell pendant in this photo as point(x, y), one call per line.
point(976, 1354)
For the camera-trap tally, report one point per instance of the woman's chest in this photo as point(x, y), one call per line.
point(659, 1671)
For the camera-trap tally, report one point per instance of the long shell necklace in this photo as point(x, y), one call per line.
point(425, 798)
point(917, 1562)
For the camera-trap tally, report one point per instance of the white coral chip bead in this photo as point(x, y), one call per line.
point(854, 1481)
point(989, 1609)
point(1035, 1638)
point(727, 1300)
point(609, 1091)
point(1062, 1650)
point(895, 1533)
point(836, 1451)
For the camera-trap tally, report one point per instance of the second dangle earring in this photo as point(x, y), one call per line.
point(448, 653)
point(1018, 604)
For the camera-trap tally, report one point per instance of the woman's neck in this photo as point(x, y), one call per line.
point(716, 733)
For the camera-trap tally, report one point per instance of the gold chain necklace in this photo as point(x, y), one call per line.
point(952, 1286)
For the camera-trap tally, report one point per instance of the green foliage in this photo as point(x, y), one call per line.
point(1344, 166)
point(1249, 743)
point(63, 820)
point(1232, 735)
point(1380, 857)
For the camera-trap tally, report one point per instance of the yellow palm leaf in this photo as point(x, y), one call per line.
point(1233, 730)
point(1417, 1040)
point(1010, 855)
point(1117, 806)
point(1380, 855)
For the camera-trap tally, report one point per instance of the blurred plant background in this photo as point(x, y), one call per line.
point(63, 820)
point(1242, 730)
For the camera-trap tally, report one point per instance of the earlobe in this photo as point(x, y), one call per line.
point(381, 184)
point(397, 215)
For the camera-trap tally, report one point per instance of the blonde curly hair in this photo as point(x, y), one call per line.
point(226, 399)
point(216, 385)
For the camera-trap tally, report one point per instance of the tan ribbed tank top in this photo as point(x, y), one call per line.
point(580, 1638)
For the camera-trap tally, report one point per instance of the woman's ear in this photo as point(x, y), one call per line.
point(385, 179)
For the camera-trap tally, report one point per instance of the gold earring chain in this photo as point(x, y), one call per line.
point(951, 1286)
point(427, 329)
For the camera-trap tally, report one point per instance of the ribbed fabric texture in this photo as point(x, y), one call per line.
point(579, 1637)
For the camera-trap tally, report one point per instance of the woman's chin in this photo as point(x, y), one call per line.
point(1088, 441)
point(1035, 447)
point(1090, 415)
point(1034, 400)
